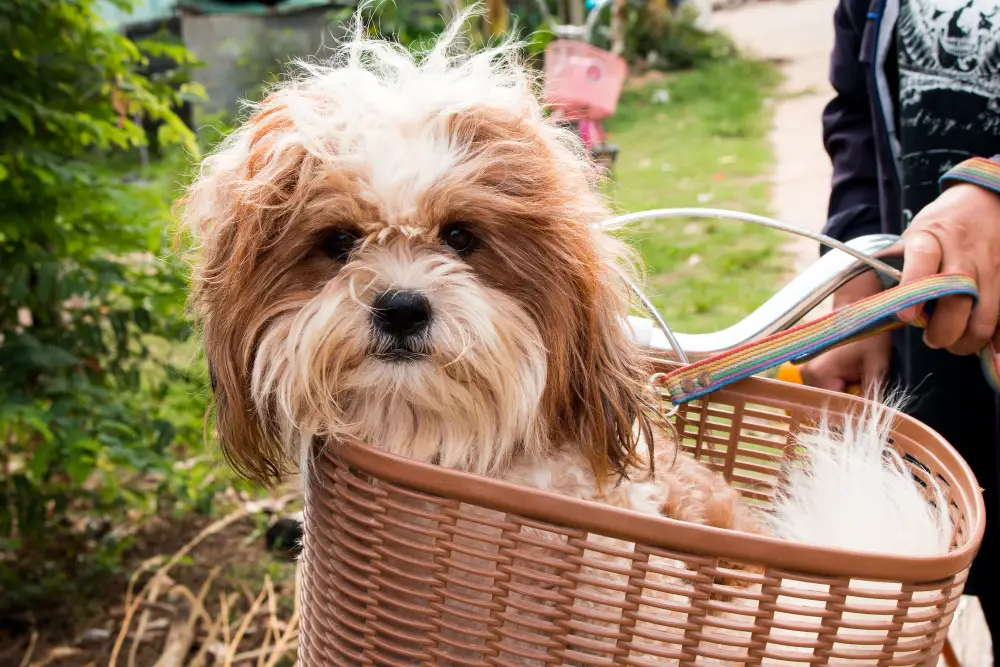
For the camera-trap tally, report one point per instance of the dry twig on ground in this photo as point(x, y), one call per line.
point(257, 635)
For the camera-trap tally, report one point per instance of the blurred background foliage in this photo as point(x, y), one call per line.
point(102, 390)
point(100, 404)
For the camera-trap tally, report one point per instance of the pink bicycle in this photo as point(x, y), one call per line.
point(583, 82)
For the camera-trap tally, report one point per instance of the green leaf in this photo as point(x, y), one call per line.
point(45, 278)
point(41, 457)
point(79, 467)
point(10, 545)
point(23, 118)
point(165, 435)
point(17, 284)
point(38, 423)
point(142, 319)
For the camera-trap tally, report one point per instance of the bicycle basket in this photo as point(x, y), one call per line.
point(582, 80)
point(410, 564)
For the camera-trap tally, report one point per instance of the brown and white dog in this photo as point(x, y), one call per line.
point(406, 251)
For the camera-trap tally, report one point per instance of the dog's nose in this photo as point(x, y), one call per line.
point(401, 314)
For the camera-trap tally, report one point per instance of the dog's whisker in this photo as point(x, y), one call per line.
point(468, 344)
point(355, 293)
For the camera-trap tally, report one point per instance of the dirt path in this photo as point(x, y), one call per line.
point(798, 34)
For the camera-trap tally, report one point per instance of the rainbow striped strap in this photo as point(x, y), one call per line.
point(978, 171)
point(990, 356)
point(858, 320)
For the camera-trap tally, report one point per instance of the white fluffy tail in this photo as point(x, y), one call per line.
point(851, 490)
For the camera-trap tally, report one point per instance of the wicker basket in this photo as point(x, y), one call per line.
point(409, 564)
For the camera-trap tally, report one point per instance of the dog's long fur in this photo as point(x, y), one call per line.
point(393, 150)
point(525, 373)
point(852, 490)
point(526, 361)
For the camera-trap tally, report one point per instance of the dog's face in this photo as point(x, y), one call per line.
point(414, 270)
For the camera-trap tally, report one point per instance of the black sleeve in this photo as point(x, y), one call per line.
point(849, 132)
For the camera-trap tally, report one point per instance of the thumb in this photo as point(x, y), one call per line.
point(921, 258)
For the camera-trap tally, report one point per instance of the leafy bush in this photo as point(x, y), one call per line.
point(668, 38)
point(264, 60)
point(413, 23)
point(95, 403)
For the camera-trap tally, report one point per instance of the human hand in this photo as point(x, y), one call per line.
point(959, 232)
point(864, 362)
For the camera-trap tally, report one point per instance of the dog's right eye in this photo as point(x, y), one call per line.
point(338, 245)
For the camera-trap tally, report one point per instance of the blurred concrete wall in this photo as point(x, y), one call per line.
point(239, 50)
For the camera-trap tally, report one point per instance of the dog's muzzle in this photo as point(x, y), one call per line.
point(403, 317)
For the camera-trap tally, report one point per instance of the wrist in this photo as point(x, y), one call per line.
point(976, 171)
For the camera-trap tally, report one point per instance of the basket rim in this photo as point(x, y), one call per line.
point(698, 540)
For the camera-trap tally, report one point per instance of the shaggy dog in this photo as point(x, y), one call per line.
point(405, 251)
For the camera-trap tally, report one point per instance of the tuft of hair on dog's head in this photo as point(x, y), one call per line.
point(403, 249)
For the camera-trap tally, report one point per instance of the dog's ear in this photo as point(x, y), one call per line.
point(611, 379)
point(234, 207)
point(230, 328)
point(248, 446)
point(597, 383)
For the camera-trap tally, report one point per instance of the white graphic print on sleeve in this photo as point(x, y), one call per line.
point(949, 91)
point(951, 45)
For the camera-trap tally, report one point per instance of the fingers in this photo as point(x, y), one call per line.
point(957, 233)
point(949, 321)
point(921, 258)
point(982, 326)
point(864, 362)
point(958, 324)
point(823, 375)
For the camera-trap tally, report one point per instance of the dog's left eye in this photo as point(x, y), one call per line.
point(338, 244)
point(458, 237)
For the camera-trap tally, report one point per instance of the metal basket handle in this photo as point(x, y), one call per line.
point(784, 309)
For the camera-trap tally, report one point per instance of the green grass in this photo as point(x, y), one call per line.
point(706, 146)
